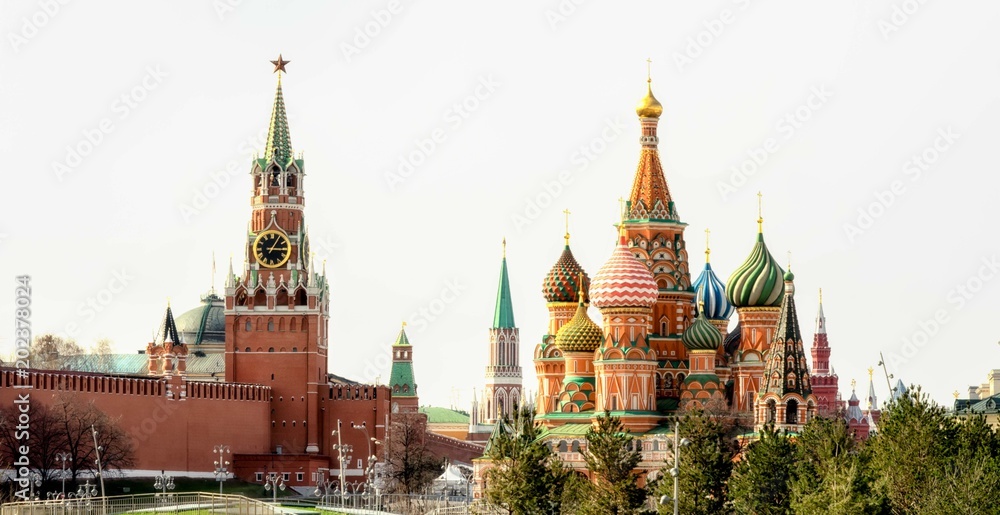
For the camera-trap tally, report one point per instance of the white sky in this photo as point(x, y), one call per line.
point(559, 83)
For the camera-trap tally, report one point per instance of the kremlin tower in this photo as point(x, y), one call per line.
point(401, 380)
point(503, 393)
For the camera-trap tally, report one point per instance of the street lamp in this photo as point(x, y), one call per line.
point(676, 471)
point(372, 459)
point(323, 485)
point(98, 449)
point(221, 464)
point(34, 479)
point(63, 457)
point(343, 455)
point(272, 484)
point(163, 482)
point(83, 494)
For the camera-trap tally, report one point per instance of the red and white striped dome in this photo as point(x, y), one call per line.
point(623, 282)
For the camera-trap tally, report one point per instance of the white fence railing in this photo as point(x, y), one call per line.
point(143, 503)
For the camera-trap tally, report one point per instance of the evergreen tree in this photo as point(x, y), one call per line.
point(911, 450)
point(611, 457)
point(705, 466)
point(526, 477)
point(831, 475)
point(761, 482)
point(970, 482)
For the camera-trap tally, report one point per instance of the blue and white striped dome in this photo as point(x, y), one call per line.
point(710, 291)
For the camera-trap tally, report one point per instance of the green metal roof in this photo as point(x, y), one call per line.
point(503, 316)
point(437, 415)
point(402, 339)
point(279, 141)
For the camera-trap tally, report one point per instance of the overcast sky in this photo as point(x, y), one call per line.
point(870, 128)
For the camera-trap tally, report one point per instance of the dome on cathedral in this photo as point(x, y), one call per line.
point(758, 281)
point(580, 334)
point(623, 282)
point(710, 295)
point(649, 107)
point(562, 282)
point(205, 323)
point(702, 335)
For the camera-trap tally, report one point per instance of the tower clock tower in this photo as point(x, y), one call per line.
point(277, 311)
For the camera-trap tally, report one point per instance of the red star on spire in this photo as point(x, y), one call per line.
point(279, 65)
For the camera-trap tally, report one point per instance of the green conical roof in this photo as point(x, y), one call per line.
point(401, 379)
point(279, 141)
point(503, 316)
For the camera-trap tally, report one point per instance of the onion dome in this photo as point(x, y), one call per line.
point(623, 281)
point(757, 282)
point(702, 335)
point(649, 107)
point(562, 282)
point(580, 334)
point(710, 293)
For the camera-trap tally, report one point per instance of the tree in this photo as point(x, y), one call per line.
point(525, 477)
point(611, 457)
point(831, 475)
point(761, 482)
point(79, 420)
point(705, 466)
point(911, 449)
point(412, 467)
point(48, 351)
point(44, 439)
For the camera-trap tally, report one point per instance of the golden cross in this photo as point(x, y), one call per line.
point(621, 208)
point(789, 261)
point(870, 371)
point(854, 384)
point(821, 295)
point(404, 323)
point(707, 249)
point(567, 213)
point(760, 212)
point(505, 247)
point(649, 73)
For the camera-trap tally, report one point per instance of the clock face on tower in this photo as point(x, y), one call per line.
point(272, 249)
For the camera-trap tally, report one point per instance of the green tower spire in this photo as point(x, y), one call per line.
point(401, 377)
point(503, 316)
point(279, 141)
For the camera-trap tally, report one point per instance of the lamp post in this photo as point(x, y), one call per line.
point(63, 457)
point(676, 471)
point(163, 482)
point(221, 464)
point(343, 455)
point(372, 459)
point(323, 485)
point(272, 484)
point(34, 479)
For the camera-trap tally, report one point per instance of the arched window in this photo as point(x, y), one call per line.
point(270, 349)
point(248, 326)
point(792, 412)
point(270, 325)
point(772, 410)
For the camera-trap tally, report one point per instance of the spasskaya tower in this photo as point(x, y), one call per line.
point(277, 311)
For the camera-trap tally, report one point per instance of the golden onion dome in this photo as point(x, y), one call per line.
point(649, 107)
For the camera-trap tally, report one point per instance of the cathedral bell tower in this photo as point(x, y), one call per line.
point(277, 311)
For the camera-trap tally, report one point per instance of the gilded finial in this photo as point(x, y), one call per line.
point(707, 249)
point(579, 290)
point(760, 212)
point(404, 325)
point(567, 213)
point(821, 295)
point(649, 71)
point(649, 107)
point(789, 261)
point(504, 243)
point(854, 385)
point(168, 302)
point(955, 393)
point(621, 208)
point(870, 372)
point(701, 307)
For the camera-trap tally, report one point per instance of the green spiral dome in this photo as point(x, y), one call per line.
point(758, 281)
point(702, 335)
